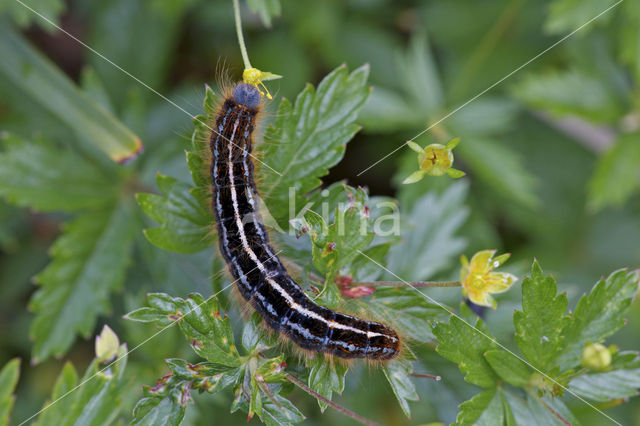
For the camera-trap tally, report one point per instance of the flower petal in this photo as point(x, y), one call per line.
point(414, 177)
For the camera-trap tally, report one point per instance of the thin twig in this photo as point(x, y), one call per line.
point(414, 284)
point(427, 376)
point(335, 406)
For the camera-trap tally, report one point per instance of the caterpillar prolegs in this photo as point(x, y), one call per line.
point(244, 243)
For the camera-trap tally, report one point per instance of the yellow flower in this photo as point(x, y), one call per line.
point(479, 281)
point(256, 77)
point(434, 160)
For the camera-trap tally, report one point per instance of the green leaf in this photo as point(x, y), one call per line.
point(420, 99)
point(8, 381)
point(420, 77)
point(562, 93)
point(510, 369)
point(430, 238)
point(23, 17)
point(629, 37)
point(96, 402)
point(483, 409)
point(45, 177)
point(67, 380)
point(607, 386)
point(362, 268)
point(89, 262)
point(267, 9)
point(536, 411)
point(398, 374)
point(501, 168)
point(163, 407)
point(310, 137)
point(200, 320)
point(485, 116)
point(464, 345)
point(335, 245)
point(326, 377)
point(408, 311)
point(540, 324)
point(568, 15)
point(186, 223)
point(617, 173)
point(37, 78)
point(281, 412)
point(598, 315)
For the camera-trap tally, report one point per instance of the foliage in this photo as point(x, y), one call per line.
point(550, 152)
point(8, 380)
point(551, 342)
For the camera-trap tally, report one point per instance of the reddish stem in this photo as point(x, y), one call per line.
point(335, 406)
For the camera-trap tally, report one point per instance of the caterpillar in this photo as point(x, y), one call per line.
point(260, 276)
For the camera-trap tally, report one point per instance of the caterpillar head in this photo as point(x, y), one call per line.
point(246, 95)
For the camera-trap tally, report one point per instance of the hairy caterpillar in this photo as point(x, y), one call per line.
point(244, 243)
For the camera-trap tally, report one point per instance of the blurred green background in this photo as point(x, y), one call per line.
point(552, 154)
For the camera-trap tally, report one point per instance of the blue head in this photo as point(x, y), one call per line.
point(246, 95)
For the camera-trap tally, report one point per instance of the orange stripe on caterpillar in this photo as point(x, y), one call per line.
point(261, 277)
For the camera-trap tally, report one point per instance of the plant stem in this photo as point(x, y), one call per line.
point(243, 48)
point(427, 376)
point(335, 406)
point(414, 284)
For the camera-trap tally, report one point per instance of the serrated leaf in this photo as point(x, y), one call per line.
point(326, 377)
point(598, 315)
point(281, 412)
point(364, 269)
point(535, 411)
point(23, 17)
point(310, 137)
point(420, 76)
point(45, 177)
point(37, 78)
point(562, 93)
point(8, 381)
point(335, 245)
point(66, 381)
point(607, 386)
point(568, 15)
point(185, 222)
point(539, 326)
point(464, 345)
point(267, 9)
point(97, 402)
point(398, 374)
point(485, 116)
point(430, 236)
point(407, 310)
point(483, 409)
point(199, 319)
point(501, 168)
point(617, 174)
point(510, 369)
point(89, 262)
point(255, 337)
point(541, 408)
point(421, 96)
point(166, 410)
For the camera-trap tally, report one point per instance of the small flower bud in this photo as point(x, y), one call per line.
point(596, 357)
